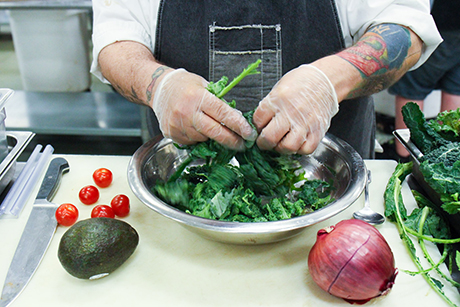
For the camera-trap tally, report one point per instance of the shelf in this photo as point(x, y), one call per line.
point(48, 4)
point(68, 113)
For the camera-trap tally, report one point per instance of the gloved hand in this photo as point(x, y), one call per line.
point(188, 113)
point(295, 115)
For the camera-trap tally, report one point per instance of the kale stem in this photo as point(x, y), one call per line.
point(420, 235)
point(248, 71)
point(425, 213)
point(410, 246)
point(441, 260)
point(431, 239)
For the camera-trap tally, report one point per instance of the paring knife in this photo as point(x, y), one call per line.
point(37, 234)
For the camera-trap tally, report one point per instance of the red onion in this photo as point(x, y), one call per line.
point(353, 261)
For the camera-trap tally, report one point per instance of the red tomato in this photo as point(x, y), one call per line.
point(66, 214)
point(102, 177)
point(89, 195)
point(102, 211)
point(120, 205)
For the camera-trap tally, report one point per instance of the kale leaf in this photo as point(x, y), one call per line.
point(444, 178)
point(423, 135)
point(394, 205)
point(447, 124)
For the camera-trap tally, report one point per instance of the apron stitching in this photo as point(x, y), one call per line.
point(255, 26)
point(279, 58)
point(261, 87)
point(157, 47)
point(212, 51)
point(241, 52)
point(337, 23)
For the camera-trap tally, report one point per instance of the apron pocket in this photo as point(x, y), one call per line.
point(233, 48)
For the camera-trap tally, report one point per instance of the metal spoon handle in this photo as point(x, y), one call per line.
point(366, 190)
point(367, 214)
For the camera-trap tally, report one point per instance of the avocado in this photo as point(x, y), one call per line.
point(95, 247)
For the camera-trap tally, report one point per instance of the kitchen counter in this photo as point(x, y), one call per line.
point(175, 267)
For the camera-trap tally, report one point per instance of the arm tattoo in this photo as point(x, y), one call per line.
point(156, 74)
point(379, 54)
point(131, 96)
point(134, 94)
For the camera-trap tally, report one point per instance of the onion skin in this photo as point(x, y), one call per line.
point(353, 261)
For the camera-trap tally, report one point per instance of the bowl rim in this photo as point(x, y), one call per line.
point(354, 162)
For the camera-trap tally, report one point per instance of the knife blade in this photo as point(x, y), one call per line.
point(37, 234)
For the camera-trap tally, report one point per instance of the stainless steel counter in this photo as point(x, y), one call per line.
point(47, 4)
point(63, 113)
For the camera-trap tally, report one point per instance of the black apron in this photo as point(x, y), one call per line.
point(217, 38)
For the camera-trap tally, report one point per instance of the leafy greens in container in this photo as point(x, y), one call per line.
point(439, 141)
point(260, 186)
point(436, 218)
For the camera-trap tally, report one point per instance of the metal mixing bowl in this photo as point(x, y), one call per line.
point(334, 158)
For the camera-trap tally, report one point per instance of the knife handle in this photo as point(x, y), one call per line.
point(57, 167)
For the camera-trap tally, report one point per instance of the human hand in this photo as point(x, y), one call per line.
point(188, 113)
point(295, 115)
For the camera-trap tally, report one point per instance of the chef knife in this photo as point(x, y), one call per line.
point(37, 234)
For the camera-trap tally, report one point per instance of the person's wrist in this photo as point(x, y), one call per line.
point(344, 76)
point(333, 95)
point(158, 83)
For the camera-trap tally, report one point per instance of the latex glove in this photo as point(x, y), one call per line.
point(188, 113)
point(295, 115)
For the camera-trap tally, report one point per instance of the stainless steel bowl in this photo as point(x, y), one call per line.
point(334, 158)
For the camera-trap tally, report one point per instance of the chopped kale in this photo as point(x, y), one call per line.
point(252, 192)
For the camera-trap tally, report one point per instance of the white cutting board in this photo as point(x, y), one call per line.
point(174, 267)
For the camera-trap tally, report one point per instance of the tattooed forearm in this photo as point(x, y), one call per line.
point(379, 57)
point(131, 96)
point(156, 74)
point(383, 48)
point(134, 94)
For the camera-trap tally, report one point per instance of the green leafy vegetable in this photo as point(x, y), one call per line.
point(447, 124)
point(394, 206)
point(439, 142)
point(423, 136)
point(423, 224)
point(265, 186)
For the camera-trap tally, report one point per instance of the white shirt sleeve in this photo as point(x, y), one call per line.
point(357, 16)
point(119, 20)
point(136, 20)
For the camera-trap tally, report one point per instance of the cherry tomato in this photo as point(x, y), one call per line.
point(66, 214)
point(102, 177)
point(89, 195)
point(120, 205)
point(102, 211)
